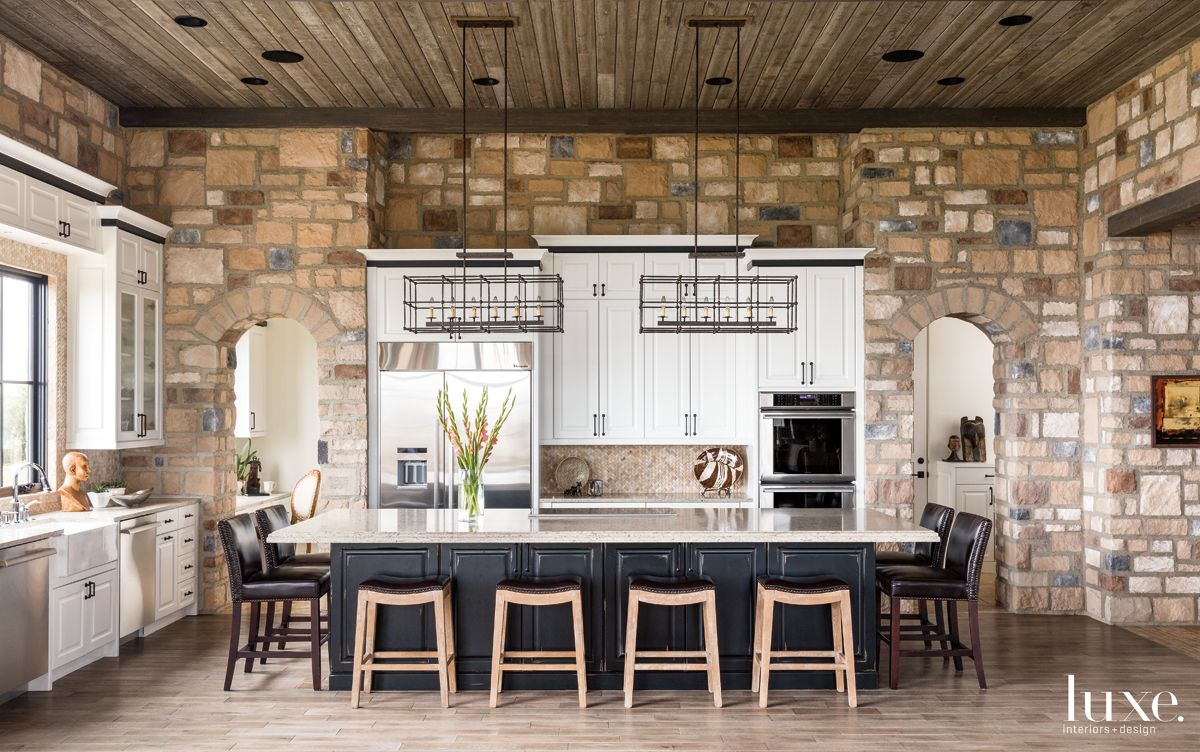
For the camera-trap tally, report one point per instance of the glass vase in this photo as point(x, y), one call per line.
point(470, 497)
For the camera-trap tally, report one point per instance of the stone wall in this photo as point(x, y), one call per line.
point(610, 184)
point(266, 224)
point(42, 108)
point(1141, 316)
point(981, 225)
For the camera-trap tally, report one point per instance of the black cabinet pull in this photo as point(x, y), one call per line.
point(168, 522)
point(685, 425)
point(187, 540)
point(253, 421)
point(168, 537)
point(61, 226)
point(593, 289)
point(186, 567)
point(812, 373)
point(602, 292)
point(603, 424)
point(595, 432)
point(695, 424)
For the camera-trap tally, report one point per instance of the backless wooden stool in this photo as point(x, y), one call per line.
point(804, 591)
point(383, 590)
point(545, 592)
point(667, 591)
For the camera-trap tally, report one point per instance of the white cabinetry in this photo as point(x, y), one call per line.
point(823, 351)
point(115, 335)
point(969, 487)
point(12, 197)
point(250, 384)
point(83, 617)
point(595, 275)
point(46, 215)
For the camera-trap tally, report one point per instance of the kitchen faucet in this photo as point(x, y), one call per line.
point(20, 510)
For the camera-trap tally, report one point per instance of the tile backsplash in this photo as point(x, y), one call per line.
point(629, 469)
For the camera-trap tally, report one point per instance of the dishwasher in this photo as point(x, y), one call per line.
point(24, 613)
point(138, 568)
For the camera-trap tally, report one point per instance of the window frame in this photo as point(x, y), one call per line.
point(38, 367)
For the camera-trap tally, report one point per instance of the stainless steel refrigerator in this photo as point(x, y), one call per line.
point(415, 462)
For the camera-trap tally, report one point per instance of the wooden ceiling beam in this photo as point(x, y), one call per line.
point(1160, 214)
point(598, 121)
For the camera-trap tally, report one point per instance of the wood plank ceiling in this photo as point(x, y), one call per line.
point(602, 54)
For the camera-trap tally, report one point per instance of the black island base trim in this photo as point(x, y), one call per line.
point(604, 570)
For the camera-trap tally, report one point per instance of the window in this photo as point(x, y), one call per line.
point(22, 372)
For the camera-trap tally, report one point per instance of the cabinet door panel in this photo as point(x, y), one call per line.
point(150, 375)
point(165, 590)
point(667, 385)
point(407, 628)
point(580, 273)
point(576, 372)
point(659, 628)
point(67, 634)
point(475, 570)
point(666, 265)
point(976, 499)
point(79, 214)
point(151, 263)
point(101, 623)
point(735, 569)
point(260, 380)
point(550, 627)
point(714, 374)
point(127, 365)
point(620, 275)
point(831, 323)
point(622, 408)
point(12, 197)
point(43, 208)
point(129, 258)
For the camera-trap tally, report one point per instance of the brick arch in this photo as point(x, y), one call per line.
point(229, 316)
point(1003, 318)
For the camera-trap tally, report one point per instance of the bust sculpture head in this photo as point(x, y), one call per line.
point(954, 445)
point(76, 471)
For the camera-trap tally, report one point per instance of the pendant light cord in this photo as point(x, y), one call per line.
point(464, 174)
point(504, 96)
point(737, 157)
point(696, 181)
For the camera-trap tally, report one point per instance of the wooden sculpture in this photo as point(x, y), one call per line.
point(954, 444)
point(76, 471)
point(974, 441)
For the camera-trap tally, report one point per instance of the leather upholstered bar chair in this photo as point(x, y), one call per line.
point(275, 555)
point(804, 591)
point(954, 582)
point(671, 591)
point(538, 592)
point(937, 518)
point(250, 584)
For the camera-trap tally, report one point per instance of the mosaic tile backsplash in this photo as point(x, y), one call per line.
point(627, 469)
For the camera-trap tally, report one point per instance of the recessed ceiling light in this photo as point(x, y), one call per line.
point(951, 80)
point(903, 56)
point(282, 56)
point(718, 81)
point(485, 81)
point(1018, 20)
point(254, 81)
point(192, 22)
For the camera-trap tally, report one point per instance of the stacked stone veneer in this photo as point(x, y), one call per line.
point(1141, 316)
point(982, 225)
point(266, 224)
point(42, 108)
point(611, 184)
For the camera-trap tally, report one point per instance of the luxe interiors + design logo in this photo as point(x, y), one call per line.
point(1118, 713)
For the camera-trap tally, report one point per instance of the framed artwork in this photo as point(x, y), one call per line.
point(1176, 404)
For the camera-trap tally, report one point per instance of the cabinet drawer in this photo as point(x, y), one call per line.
point(974, 475)
point(186, 565)
point(187, 593)
point(169, 520)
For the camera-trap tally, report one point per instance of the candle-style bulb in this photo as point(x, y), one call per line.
point(474, 308)
point(771, 308)
point(495, 308)
point(662, 310)
point(431, 308)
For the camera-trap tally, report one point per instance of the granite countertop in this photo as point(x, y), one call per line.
point(670, 498)
point(649, 526)
point(58, 523)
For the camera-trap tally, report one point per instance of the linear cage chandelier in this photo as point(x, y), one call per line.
point(718, 303)
point(472, 303)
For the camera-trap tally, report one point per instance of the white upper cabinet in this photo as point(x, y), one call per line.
point(576, 376)
point(668, 395)
point(622, 414)
point(43, 207)
point(600, 275)
point(250, 384)
point(823, 352)
point(115, 335)
point(715, 383)
point(12, 196)
point(79, 225)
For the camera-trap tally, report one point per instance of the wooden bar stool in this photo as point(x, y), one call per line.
point(384, 590)
point(803, 591)
point(667, 591)
point(533, 592)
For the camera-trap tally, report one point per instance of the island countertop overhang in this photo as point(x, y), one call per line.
point(407, 526)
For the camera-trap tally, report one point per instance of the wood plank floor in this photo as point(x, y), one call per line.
point(164, 692)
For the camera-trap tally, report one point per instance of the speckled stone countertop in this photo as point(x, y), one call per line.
point(647, 499)
point(648, 526)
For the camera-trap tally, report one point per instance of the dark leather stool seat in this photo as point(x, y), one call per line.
point(542, 586)
point(922, 582)
point(889, 558)
point(670, 585)
point(803, 585)
point(389, 585)
point(290, 583)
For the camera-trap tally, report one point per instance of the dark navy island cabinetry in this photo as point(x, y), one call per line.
point(732, 547)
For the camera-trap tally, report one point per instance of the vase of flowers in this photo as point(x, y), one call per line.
point(473, 437)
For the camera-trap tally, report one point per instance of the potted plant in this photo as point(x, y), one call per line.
point(101, 493)
point(473, 443)
point(242, 461)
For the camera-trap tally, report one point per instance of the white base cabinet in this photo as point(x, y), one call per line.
point(83, 617)
point(969, 487)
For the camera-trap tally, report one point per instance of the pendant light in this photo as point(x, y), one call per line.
point(464, 303)
point(722, 303)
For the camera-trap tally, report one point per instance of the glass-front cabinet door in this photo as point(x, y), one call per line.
point(139, 409)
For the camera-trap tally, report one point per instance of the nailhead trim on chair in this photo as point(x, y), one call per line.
point(789, 585)
point(532, 587)
point(671, 588)
point(388, 588)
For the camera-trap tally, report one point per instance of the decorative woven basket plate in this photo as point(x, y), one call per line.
point(570, 471)
point(718, 468)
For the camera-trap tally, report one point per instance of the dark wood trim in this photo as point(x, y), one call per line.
point(596, 121)
point(814, 262)
point(132, 230)
point(54, 180)
point(1160, 214)
point(431, 264)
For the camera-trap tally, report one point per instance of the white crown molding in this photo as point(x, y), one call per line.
point(803, 255)
point(448, 256)
point(130, 217)
point(552, 242)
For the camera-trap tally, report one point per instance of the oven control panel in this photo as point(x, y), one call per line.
point(835, 400)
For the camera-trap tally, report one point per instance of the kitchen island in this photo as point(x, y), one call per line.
point(731, 546)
